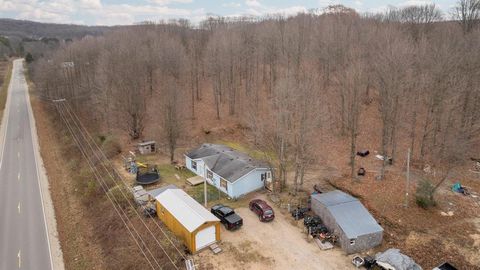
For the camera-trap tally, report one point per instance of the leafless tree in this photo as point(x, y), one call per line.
point(285, 80)
point(352, 82)
point(392, 77)
point(467, 12)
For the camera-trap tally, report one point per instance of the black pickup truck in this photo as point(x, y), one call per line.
point(227, 216)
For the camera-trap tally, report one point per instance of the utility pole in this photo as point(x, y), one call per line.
point(408, 178)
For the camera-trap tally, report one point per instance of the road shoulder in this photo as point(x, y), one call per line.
point(49, 213)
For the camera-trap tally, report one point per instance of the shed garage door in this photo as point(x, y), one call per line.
point(205, 237)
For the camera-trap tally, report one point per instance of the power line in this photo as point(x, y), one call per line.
point(81, 128)
point(121, 178)
point(106, 188)
point(89, 141)
point(102, 183)
point(113, 178)
point(99, 179)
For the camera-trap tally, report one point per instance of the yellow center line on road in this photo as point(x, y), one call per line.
point(18, 177)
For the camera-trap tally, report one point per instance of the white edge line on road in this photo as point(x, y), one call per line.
point(33, 130)
point(4, 124)
point(19, 256)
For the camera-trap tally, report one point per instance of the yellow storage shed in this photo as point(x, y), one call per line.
point(187, 219)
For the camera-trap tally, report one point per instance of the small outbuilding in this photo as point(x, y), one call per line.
point(347, 218)
point(230, 171)
point(148, 147)
point(186, 218)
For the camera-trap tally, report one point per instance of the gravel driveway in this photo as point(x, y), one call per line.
point(275, 245)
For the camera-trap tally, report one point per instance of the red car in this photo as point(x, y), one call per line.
point(262, 209)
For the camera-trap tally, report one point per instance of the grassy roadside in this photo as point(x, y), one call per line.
point(4, 89)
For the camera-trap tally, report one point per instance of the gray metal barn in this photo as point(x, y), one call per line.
point(345, 215)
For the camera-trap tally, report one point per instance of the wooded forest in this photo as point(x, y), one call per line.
point(287, 81)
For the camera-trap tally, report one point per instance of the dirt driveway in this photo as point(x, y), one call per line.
point(276, 245)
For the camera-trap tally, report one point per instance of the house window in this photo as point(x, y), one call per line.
point(194, 165)
point(223, 184)
point(352, 242)
point(209, 175)
point(266, 176)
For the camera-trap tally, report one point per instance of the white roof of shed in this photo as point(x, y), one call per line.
point(146, 143)
point(185, 209)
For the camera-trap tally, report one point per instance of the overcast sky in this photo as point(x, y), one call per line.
point(114, 12)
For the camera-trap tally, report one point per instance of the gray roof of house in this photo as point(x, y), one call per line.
point(208, 149)
point(349, 213)
point(225, 161)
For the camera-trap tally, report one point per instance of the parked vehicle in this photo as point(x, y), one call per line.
point(227, 216)
point(262, 209)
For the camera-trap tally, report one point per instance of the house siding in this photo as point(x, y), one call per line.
point(215, 181)
point(249, 182)
point(200, 166)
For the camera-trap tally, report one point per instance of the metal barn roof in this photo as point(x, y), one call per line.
point(334, 197)
point(155, 192)
point(185, 209)
point(225, 161)
point(349, 213)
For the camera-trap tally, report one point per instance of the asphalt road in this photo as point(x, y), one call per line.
point(24, 241)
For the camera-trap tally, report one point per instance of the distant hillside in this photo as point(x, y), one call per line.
point(19, 36)
point(36, 30)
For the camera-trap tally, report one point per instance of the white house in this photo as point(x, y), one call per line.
point(229, 170)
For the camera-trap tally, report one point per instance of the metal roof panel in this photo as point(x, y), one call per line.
point(349, 213)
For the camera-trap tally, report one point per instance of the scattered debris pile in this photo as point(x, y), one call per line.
point(445, 266)
point(389, 159)
point(140, 195)
point(143, 200)
point(363, 153)
point(393, 259)
point(358, 261)
point(299, 213)
point(315, 227)
point(457, 187)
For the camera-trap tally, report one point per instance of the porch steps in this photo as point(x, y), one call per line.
point(215, 248)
